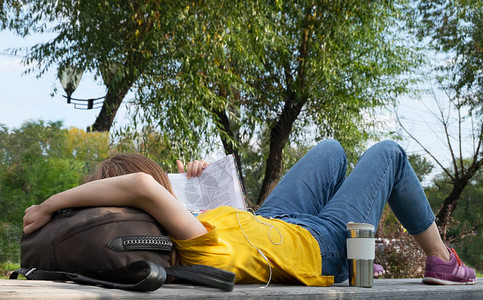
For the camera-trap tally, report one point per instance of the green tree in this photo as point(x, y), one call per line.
point(38, 160)
point(336, 63)
point(5, 8)
point(254, 162)
point(283, 67)
point(87, 147)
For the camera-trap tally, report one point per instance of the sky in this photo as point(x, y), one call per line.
point(25, 97)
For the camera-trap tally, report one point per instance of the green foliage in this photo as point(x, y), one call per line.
point(344, 64)
point(38, 160)
point(88, 148)
point(9, 242)
point(152, 145)
point(201, 75)
point(350, 63)
point(456, 27)
point(94, 35)
point(6, 268)
point(261, 64)
point(421, 166)
point(469, 250)
point(5, 9)
point(467, 218)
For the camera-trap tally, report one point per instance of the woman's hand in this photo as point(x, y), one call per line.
point(194, 168)
point(35, 217)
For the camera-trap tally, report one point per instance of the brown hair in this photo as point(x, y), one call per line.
point(127, 163)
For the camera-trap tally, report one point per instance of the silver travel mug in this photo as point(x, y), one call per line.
point(360, 254)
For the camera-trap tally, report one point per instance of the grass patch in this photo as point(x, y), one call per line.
point(6, 268)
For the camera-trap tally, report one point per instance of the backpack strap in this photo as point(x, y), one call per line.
point(203, 275)
point(34, 274)
point(154, 279)
point(198, 274)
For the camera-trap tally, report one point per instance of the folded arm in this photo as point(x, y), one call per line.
point(137, 190)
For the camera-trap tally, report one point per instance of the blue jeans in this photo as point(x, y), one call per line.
point(316, 195)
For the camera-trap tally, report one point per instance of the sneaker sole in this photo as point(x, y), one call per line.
point(431, 280)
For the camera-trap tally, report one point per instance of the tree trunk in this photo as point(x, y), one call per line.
point(111, 104)
point(449, 205)
point(278, 137)
point(116, 91)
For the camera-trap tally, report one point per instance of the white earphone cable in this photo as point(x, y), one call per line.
point(252, 214)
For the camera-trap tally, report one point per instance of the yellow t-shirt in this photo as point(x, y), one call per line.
point(232, 241)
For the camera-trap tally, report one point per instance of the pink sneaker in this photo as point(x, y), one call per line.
point(453, 272)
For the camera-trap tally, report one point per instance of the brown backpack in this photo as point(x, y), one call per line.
point(116, 247)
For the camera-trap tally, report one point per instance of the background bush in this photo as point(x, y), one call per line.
point(400, 256)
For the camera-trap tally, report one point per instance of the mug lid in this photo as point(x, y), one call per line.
point(359, 226)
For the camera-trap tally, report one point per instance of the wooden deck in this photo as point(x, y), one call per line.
point(382, 289)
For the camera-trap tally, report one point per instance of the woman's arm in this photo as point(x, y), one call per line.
point(137, 190)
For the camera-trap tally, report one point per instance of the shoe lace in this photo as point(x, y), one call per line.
point(457, 257)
